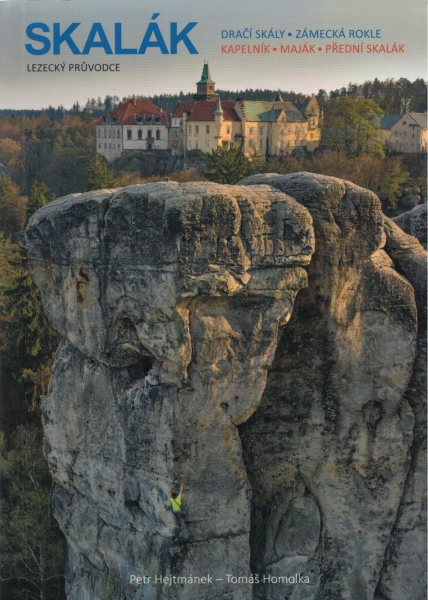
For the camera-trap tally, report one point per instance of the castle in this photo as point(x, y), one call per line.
point(268, 128)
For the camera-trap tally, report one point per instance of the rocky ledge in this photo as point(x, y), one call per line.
point(205, 342)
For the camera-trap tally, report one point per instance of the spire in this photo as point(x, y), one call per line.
point(205, 88)
point(278, 97)
point(218, 110)
point(206, 76)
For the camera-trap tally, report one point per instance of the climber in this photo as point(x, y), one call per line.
point(175, 500)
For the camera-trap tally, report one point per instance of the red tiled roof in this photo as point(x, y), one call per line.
point(204, 111)
point(182, 106)
point(126, 113)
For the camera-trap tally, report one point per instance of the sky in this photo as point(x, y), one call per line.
point(400, 21)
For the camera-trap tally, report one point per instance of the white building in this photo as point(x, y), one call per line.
point(135, 125)
point(406, 132)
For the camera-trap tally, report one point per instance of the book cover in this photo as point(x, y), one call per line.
point(213, 300)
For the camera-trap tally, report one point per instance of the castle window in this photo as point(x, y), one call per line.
point(175, 134)
point(99, 146)
point(109, 147)
point(118, 134)
point(227, 129)
point(261, 144)
point(105, 146)
point(158, 134)
point(312, 121)
point(250, 143)
point(196, 143)
point(189, 129)
point(105, 132)
point(140, 134)
point(118, 146)
point(207, 143)
point(302, 129)
point(149, 133)
point(404, 122)
point(207, 129)
point(196, 129)
point(190, 143)
point(288, 129)
point(296, 130)
point(282, 130)
point(129, 132)
point(261, 130)
point(251, 130)
point(114, 146)
point(99, 132)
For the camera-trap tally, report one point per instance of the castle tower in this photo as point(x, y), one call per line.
point(205, 86)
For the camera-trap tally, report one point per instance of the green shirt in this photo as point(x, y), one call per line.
point(176, 503)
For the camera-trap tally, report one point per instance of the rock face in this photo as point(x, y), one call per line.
point(298, 432)
point(327, 451)
point(414, 222)
point(169, 298)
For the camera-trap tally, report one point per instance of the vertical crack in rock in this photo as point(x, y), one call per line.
point(169, 298)
point(327, 452)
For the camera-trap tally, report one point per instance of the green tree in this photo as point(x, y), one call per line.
point(39, 196)
point(86, 116)
point(394, 185)
point(99, 176)
point(25, 331)
point(227, 164)
point(12, 207)
point(353, 126)
point(33, 548)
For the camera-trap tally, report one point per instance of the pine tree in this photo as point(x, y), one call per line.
point(25, 329)
point(99, 176)
point(12, 207)
point(227, 164)
point(39, 196)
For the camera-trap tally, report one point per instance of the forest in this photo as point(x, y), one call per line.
point(50, 153)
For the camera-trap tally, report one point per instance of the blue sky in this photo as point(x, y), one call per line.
point(403, 22)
